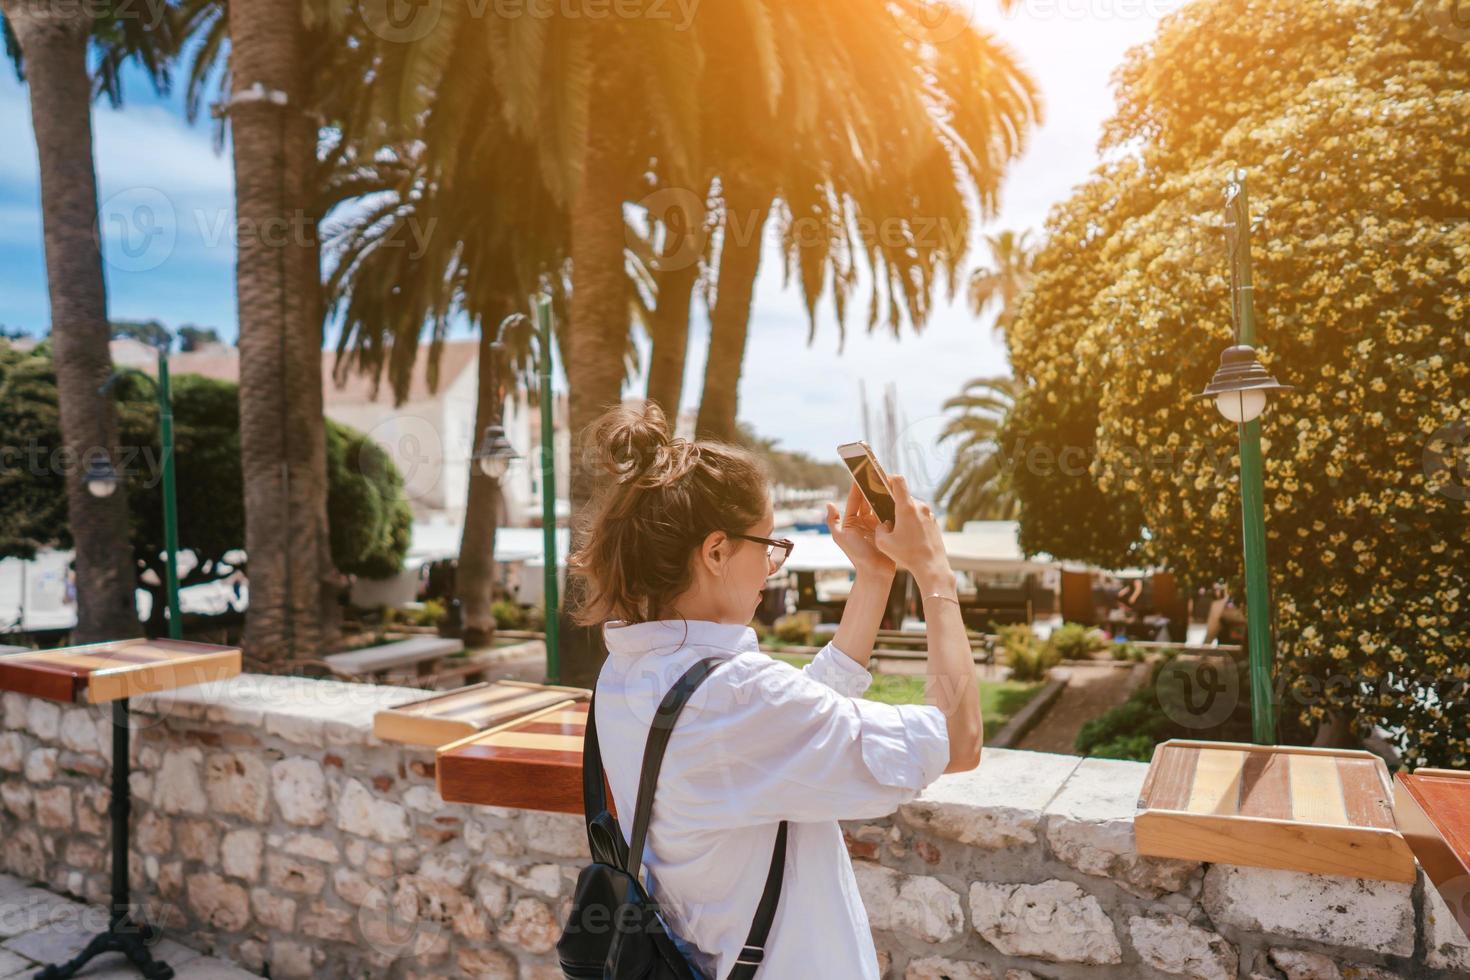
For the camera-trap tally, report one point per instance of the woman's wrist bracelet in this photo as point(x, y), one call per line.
point(941, 595)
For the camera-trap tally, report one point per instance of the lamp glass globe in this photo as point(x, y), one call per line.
point(1241, 406)
point(494, 466)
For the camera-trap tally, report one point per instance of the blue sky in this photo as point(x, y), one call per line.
point(167, 213)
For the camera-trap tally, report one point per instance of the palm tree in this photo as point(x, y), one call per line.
point(49, 44)
point(490, 234)
point(683, 246)
point(278, 285)
point(976, 486)
point(1005, 279)
point(284, 67)
point(479, 255)
point(935, 123)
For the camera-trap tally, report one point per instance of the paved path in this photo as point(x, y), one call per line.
point(39, 927)
point(1090, 692)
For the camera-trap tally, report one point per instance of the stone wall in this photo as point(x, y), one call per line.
point(270, 828)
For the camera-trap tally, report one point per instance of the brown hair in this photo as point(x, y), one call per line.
point(639, 534)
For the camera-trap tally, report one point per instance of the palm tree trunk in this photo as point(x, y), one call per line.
point(330, 583)
point(670, 331)
point(53, 41)
point(476, 575)
point(282, 448)
point(740, 257)
point(598, 336)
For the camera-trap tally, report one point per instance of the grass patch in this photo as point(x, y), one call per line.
point(999, 700)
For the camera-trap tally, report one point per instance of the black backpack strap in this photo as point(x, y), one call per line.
point(594, 795)
point(653, 752)
point(765, 912)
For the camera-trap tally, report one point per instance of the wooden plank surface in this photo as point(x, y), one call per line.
point(453, 715)
point(1432, 807)
point(1321, 811)
point(98, 672)
point(533, 763)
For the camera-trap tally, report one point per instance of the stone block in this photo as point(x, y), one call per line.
point(179, 786)
point(1169, 943)
point(912, 905)
point(999, 804)
point(360, 812)
point(238, 783)
point(1355, 914)
point(1054, 921)
point(301, 791)
point(240, 854)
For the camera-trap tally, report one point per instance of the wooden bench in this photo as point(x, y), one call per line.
point(420, 652)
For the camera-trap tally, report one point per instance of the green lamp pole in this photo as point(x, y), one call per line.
point(495, 453)
point(1239, 388)
point(548, 494)
point(170, 501)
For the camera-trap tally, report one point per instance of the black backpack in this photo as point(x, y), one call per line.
point(615, 930)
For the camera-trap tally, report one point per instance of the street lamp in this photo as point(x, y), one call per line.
point(1240, 389)
point(102, 480)
point(495, 454)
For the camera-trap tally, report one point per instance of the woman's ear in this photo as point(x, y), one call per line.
point(715, 551)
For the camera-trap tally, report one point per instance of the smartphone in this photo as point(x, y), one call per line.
point(870, 478)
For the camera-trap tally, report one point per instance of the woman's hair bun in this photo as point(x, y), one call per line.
point(630, 440)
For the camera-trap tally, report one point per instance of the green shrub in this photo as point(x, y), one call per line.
point(1028, 658)
point(1136, 748)
point(508, 615)
point(794, 630)
point(533, 619)
point(1133, 728)
point(1073, 641)
point(433, 610)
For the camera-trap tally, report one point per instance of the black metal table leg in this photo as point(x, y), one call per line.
point(123, 934)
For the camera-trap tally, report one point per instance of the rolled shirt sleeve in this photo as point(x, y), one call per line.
point(778, 744)
point(839, 671)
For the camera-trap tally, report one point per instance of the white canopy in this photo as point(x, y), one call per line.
point(432, 540)
point(983, 546)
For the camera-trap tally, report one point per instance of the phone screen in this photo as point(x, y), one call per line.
point(870, 482)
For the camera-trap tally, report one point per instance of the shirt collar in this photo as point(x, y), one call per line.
point(669, 635)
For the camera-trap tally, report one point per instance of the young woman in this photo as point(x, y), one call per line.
point(674, 555)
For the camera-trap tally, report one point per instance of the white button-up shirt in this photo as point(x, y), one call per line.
point(759, 742)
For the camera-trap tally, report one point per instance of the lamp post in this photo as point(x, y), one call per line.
point(496, 453)
point(102, 480)
point(1240, 389)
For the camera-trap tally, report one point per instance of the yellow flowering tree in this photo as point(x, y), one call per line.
point(1353, 121)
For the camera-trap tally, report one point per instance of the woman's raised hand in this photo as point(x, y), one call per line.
point(915, 541)
point(853, 532)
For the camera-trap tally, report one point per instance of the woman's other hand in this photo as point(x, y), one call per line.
point(915, 542)
point(854, 534)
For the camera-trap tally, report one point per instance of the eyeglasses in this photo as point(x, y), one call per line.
point(777, 549)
